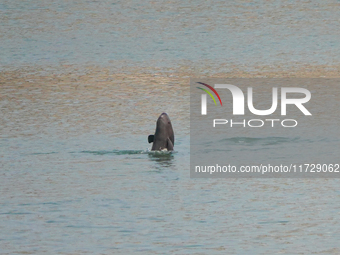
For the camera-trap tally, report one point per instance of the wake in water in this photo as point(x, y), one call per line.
point(130, 152)
point(114, 152)
point(164, 157)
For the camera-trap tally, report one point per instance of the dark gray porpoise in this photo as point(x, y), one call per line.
point(164, 136)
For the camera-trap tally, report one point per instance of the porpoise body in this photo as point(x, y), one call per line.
point(164, 138)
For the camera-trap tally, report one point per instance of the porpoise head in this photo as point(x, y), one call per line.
point(164, 135)
point(163, 120)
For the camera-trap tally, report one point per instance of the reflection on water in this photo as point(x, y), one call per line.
point(162, 159)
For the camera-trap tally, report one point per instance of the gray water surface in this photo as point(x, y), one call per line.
point(166, 33)
point(76, 176)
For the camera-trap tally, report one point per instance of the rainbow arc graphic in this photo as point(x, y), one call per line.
point(209, 93)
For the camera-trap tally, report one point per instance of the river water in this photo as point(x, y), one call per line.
point(82, 84)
